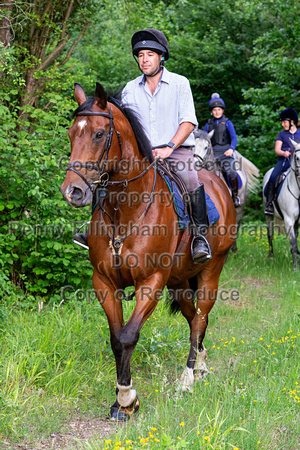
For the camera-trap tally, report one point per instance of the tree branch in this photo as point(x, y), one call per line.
point(67, 57)
point(51, 57)
point(67, 16)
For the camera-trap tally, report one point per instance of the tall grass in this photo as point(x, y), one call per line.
point(56, 366)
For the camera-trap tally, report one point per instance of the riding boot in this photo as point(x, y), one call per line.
point(270, 194)
point(200, 247)
point(234, 190)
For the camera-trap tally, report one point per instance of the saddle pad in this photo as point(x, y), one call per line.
point(212, 212)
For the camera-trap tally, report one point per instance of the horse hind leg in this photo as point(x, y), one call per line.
point(182, 298)
point(270, 231)
point(294, 246)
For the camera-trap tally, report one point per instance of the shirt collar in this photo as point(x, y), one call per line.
point(165, 77)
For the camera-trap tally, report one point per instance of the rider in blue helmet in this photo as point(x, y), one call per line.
point(223, 141)
point(283, 149)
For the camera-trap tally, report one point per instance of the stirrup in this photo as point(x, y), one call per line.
point(79, 239)
point(269, 209)
point(206, 255)
point(236, 201)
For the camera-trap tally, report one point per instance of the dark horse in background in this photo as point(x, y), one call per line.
point(103, 142)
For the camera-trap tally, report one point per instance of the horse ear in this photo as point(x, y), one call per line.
point(100, 96)
point(294, 143)
point(211, 133)
point(79, 93)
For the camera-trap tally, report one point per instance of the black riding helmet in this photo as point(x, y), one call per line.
point(289, 114)
point(150, 39)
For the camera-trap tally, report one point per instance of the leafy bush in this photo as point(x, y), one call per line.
point(37, 255)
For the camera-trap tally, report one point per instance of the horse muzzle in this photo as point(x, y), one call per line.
point(76, 196)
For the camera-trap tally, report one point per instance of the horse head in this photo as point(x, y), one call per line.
point(92, 137)
point(203, 147)
point(296, 157)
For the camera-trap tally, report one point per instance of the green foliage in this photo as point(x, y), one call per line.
point(57, 368)
point(246, 51)
point(36, 226)
point(277, 52)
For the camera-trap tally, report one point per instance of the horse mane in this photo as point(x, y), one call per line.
point(134, 120)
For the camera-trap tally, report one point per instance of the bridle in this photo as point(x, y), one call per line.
point(104, 154)
point(104, 176)
point(297, 174)
point(297, 169)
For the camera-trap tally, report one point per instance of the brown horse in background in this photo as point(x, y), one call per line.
point(134, 238)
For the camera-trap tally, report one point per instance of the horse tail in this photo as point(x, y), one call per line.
point(252, 173)
point(172, 304)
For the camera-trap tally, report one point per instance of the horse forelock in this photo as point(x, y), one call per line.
point(85, 106)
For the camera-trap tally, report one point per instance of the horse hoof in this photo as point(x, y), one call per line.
point(122, 414)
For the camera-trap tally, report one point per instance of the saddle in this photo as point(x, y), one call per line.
point(178, 190)
point(278, 185)
point(279, 181)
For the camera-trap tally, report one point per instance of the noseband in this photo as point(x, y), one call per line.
point(104, 154)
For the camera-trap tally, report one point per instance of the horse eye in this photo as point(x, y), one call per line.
point(99, 134)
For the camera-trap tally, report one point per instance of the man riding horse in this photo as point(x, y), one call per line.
point(283, 149)
point(164, 103)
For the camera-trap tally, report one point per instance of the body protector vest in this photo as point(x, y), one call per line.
point(221, 135)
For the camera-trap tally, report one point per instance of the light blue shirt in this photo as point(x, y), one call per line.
point(162, 113)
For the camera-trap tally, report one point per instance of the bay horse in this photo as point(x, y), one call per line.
point(287, 204)
point(109, 149)
point(246, 170)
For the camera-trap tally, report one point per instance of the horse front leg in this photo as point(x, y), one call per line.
point(270, 231)
point(114, 313)
point(147, 297)
point(296, 232)
point(292, 232)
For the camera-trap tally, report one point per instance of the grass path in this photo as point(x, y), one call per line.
point(57, 375)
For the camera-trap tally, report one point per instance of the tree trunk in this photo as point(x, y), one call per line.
point(5, 35)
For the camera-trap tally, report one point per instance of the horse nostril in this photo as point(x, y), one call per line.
point(76, 193)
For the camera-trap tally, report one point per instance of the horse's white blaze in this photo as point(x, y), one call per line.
point(82, 124)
